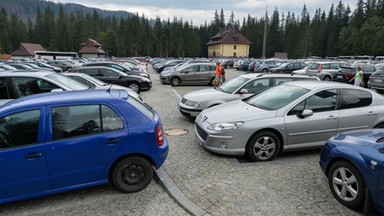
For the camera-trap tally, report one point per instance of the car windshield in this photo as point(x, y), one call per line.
point(276, 97)
point(66, 81)
point(233, 84)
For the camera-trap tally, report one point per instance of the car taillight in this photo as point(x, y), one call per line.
point(159, 136)
point(350, 75)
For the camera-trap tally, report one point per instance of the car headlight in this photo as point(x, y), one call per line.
point(225, 125)
point(191, 103)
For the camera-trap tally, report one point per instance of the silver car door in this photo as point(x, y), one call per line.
point(312, 130)
point(356, 110)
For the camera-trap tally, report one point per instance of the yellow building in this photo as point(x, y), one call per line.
point(228, 43)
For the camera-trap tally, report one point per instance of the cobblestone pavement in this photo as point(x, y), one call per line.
point(201, 183)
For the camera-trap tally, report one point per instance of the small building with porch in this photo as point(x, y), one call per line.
point(91, 49)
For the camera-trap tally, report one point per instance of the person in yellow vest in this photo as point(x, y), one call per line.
point(359, 81)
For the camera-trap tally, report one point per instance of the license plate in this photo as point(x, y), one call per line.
point(339, 77)
point(377, 81)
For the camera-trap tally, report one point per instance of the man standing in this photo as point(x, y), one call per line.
point(217, 80)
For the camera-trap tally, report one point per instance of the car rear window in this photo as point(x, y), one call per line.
point(146, 109)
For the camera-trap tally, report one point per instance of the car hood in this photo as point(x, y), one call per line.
point(204, 94)
point(235, 111)
point(361, 137)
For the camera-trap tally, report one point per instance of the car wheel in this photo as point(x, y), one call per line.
point(134, 86)
point(346, 184)
point(263, 146)
point(327, 78)
point(264, 70)
point(132, 174)
point(175, 81)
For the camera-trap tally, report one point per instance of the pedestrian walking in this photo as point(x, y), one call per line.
point(359, 81)
point(218, 74)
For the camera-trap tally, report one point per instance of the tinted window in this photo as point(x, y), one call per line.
point(335, 66)
point(92, 72)
point(204, 68)
point(192, 68)
point(3, 89)
point(319, 102)
point(352, 98)
point(147, 110)
point(72, 121)
point(313, 66)
point(25, 123)
point(279, 81)
point(326, 66)
point(27, 86)
point(108, 73)
point(257, 85)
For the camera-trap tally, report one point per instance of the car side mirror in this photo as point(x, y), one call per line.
point(305, 113)
point(243, 91)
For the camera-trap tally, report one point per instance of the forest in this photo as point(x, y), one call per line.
point(338, 31)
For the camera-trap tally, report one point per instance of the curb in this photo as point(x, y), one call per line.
point(169, 185)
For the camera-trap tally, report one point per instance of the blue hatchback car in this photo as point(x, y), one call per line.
point(55, 142)
point(354, 165)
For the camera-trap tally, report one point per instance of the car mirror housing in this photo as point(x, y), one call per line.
point(305, 113)
point(243, 91)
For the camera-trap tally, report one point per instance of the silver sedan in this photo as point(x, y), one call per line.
point(291, 116)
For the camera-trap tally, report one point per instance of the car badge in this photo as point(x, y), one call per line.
point(204, 119)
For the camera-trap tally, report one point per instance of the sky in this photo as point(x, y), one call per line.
point(200, 11)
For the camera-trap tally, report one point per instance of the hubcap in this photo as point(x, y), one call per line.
point(132, 174)
point(345, 184)
point(134, 87)
point(264, 148)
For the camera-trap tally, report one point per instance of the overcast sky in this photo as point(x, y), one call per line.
point(199, 11)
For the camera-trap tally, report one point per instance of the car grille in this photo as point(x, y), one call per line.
point(201, 132)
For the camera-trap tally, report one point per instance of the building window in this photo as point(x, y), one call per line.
point(234, 54)
point(234, 46)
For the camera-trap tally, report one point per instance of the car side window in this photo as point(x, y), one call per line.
point(3, 89)
point(25, 123)
point(335, 66)
point(28, 85)
point(204, 68)
point(279, 81)
point(353, 98)
point(319, 102)
point(108, 73)
point(92, 72)
point(257, 85)
point(80, 120)
point(326, 66)
point(192, 68)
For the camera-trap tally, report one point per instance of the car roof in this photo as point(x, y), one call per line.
point(323, 84)
point(278, 75)
point(66, 97)
point(23, 73)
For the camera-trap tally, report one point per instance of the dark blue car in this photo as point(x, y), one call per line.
point(353, 163)
point(55, 142)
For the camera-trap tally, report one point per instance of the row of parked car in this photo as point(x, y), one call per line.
point(260, 115)
point(74, 131)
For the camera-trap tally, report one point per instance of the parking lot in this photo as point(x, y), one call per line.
point(209, 184)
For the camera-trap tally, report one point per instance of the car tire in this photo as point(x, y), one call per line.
point(346, 184)
point(175, 81)
point(264, 70)
point(327, 78)
point(263, 146)
point(134, 86)
point(132, 174)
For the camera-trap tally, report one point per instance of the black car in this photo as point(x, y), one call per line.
point(288, 67)
point(346, 73)
point(118, 66)
point(228, 63)
point(113, 76)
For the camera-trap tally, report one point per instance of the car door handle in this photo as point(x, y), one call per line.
point(371, 113)
point(112, 141)
point(33, 155)
point(331, 117)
